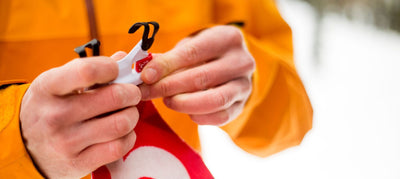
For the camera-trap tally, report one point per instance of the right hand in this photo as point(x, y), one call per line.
point(69, 134)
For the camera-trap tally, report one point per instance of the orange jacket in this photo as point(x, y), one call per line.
point(38, 35)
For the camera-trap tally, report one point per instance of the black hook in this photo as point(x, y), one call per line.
point(146, 41)
point(93, 44)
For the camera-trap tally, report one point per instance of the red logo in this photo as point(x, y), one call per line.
point(139, 65)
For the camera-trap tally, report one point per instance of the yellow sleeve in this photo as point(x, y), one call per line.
point(15, 161)
point(278, 113)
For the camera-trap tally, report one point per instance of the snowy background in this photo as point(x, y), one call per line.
point(353, 80)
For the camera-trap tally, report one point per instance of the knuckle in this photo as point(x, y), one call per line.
point(86, 71)
point(135, 91)
point(132, 94)
point(118, 95)
point(198, 119)
point(166, 64)
point(234, 34)
point(134, 115)
point(217, 119)
point(247, 86)
point(244, 84)
point(113, 67)
point(53, 119)
point(130, 141)
point(220, 99)
point(63, 145)
point(245, 63)
point(222, 118)
point(41, 83)
point(201, 79)
point(122, 125)
point(116, 149)
point(190, 52)
point(166, 88)
point(249, 63)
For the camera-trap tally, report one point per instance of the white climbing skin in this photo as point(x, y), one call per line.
point(145, 162)
point(126, 74)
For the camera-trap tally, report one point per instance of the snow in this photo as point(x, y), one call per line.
point(354, 87)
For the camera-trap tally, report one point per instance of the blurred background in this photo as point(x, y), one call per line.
point(347, 53)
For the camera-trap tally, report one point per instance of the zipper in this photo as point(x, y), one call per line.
point(91, 19)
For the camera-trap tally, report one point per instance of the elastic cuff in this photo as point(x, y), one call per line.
point(15, 160)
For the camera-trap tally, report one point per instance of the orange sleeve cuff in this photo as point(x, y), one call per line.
point(278, 113)
point(10, 82)
point(15, 161)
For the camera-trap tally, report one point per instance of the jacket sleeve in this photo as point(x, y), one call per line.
point(278, 113)
point(15, 161)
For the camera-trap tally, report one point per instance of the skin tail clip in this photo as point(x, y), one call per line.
point(147, 41)
point(138, 57)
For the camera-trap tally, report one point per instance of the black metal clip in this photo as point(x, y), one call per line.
point(93, 44)
point(146, 41)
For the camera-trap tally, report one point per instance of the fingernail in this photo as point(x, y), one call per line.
point(150, 75)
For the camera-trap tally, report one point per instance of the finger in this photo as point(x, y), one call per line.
point(100, 101)
point(219, 118)
point(118, 55)
point(108, 128)
point(211, 100)
point(104, 153)
point(207, 45)
point(79, 73)
point(201, 77)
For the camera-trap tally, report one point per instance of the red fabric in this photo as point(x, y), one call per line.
point(153, 133)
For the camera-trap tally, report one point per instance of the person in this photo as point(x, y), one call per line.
point(204, 72)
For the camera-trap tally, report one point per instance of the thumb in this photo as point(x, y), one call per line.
point(118, 55)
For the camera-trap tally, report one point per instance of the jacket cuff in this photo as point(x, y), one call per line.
point(15, 160)
point(278, 113)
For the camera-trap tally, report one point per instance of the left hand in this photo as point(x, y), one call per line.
point(207, 76)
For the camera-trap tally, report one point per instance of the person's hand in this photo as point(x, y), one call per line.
point(207, 76)
point(70, 133)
